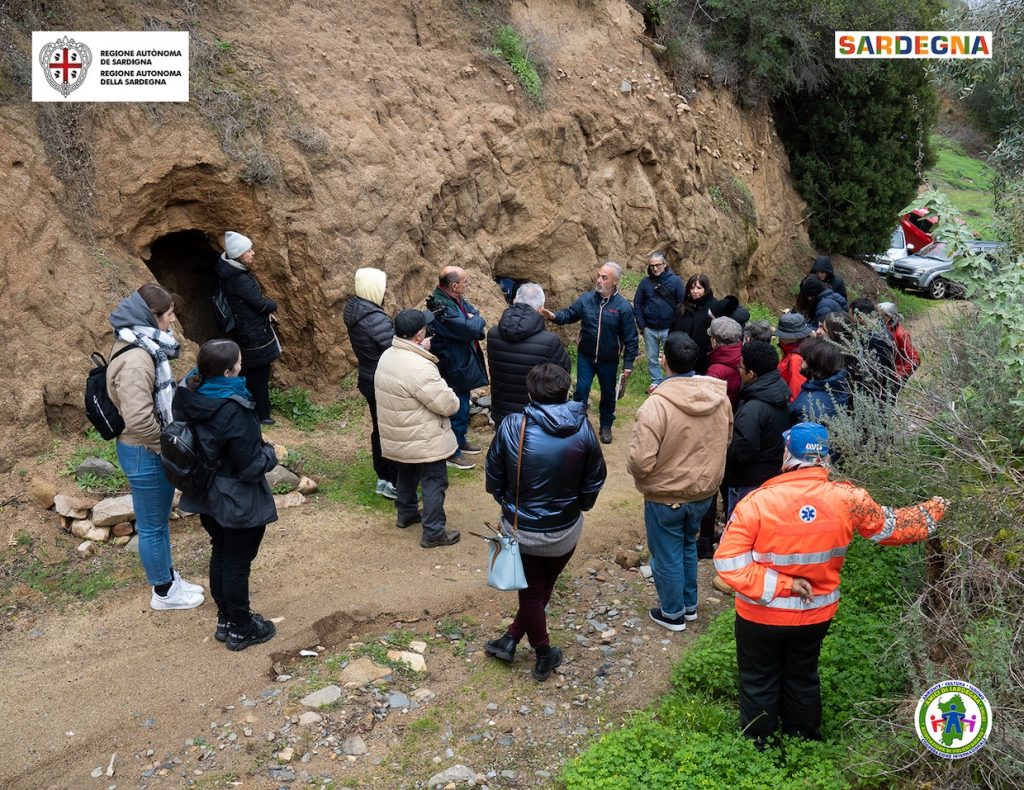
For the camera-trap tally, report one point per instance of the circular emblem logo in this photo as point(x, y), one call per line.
point(953, 719)
point(808, 514)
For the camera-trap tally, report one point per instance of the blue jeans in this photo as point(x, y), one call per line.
point(672, 539)
point(736, 493)
point(460, 420)
point(653, 338)
point(607, 375)
point(151, 497)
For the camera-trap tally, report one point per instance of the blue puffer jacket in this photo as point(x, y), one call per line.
point(455, 342)
point(614, 316)
point(563, 467)
point(656, 300)
point(820, 399)
point(829, 302)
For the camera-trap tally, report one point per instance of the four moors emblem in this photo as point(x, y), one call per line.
point(65, 63)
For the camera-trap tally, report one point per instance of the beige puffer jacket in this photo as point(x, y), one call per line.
point(130, 382)
point(413, 405)
point(677, 447)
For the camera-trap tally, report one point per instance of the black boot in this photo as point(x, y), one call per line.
point(547, 659)
point(504, 648)
point(705, 549)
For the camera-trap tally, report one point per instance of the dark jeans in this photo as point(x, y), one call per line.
point(233, 551)
point(434, 479)
point(384, 467)
point(460, 420)
point(257, 381)
point(541, 575)
point(779, 678)
point(607, 375)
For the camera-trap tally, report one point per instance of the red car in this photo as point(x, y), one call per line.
point(917, 227)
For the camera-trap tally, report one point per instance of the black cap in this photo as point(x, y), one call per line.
point(409, 322)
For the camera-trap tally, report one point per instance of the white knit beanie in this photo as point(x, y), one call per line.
point(236, 245)
point(370, 284)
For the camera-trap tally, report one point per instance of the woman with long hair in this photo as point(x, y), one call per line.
point(827, 388)
point(544, 468)
point(238, 505)
point(141, 386)
point(816, 300)
point(694, 317)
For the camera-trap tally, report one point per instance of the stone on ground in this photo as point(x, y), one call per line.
point(113, 510)
point(325, 696)
point(362, 671)
point(457, 773)
point(42, 491)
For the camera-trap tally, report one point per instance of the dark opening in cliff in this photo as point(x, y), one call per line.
point(183, 263)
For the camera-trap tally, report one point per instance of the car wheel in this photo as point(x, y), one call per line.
point(938, 289)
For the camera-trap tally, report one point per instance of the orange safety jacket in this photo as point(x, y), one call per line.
point(799, 524)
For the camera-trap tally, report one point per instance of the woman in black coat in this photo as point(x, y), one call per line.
point(238, 505)
point(254, 319)
point(693, 317)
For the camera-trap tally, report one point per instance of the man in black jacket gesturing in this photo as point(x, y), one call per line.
point(370, 332)
point(515, 346)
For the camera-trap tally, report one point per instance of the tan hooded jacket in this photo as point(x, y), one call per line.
point(130, 382)
point(413, 405)
point(678, 444)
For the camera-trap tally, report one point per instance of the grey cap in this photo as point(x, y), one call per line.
point(792, 326)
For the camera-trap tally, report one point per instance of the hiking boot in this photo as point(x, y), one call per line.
point(448, 538)
point(177, 598)
point(268, 421)
point(385, 489)
point(418, 518)
point(470, 449)
point(223, 626)
point(458, 461)
point(503, 648)
point(546, 663)
point(606, 435)
point(720, 584)
point(257, 632)
point(189, 586)
point(671, 623)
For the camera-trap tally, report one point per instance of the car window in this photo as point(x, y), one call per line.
point(897, 239)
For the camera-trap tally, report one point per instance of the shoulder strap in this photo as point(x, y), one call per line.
point(519, 468)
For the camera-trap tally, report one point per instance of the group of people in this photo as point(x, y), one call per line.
point(725, 417)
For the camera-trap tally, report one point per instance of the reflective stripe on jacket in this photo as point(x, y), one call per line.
point(799, 524)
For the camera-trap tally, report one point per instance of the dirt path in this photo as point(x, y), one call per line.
point(115, 676)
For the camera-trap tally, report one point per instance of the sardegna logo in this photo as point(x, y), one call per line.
point(953, 719)
point(65, 62)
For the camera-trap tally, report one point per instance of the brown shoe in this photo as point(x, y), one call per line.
point(719, 584)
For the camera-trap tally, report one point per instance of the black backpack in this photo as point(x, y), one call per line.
point(222, 312)
point(184, 459)
point(100, 410)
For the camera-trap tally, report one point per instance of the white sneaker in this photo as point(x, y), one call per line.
point(194, 588)
point(386, 489)
point(177, 598)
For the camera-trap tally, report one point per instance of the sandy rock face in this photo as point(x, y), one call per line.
point(412, 161)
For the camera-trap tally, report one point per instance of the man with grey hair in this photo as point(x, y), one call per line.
point(607, 330)
point(515, 346)
point(654, 306)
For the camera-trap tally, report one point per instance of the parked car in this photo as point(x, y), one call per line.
point(918, 227)
point(898, 248)
point(927, 270)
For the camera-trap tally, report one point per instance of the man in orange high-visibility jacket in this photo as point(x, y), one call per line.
point(781, 552)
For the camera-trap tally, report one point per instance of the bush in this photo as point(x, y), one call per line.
point(511, 48)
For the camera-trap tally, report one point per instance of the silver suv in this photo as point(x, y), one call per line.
point(928, 269)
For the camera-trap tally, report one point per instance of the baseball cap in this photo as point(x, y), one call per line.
point(409, 322)
point(807, 441)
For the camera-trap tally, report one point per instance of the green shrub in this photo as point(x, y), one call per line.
point(97, 447)
point(508, 45)
point(298, 406)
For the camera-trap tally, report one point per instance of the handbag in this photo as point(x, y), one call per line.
point(505, 564)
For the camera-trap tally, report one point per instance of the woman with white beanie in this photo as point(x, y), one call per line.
point(370, 332)
point(254, 319)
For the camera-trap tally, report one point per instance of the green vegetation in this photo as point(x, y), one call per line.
point(298, 406)
point(62, 581)
point(351, 481)
point(966, 181)
point(691, 739)
point(97, 447)
point(509, 45)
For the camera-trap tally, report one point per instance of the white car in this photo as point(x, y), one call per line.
point(898, 249)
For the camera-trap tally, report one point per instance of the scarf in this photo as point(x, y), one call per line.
point(162, 347)
point(223, 387)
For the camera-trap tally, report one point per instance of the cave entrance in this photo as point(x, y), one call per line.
point(183, 262)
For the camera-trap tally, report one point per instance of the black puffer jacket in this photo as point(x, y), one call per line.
point(518, 343)
point(253, 332)
point(239, 496)
point(755, 452)
point(694, 318)
point(370, 332)
point(562, 472)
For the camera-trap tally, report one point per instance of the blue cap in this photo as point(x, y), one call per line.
point(807, 441)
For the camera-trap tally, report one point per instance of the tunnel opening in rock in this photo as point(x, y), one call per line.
point(183, 262)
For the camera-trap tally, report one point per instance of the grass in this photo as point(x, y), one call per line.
point(298, 406)
point(966, 181)
point(96, 447)
point(351, 482)
point(68, 579)
point(509, 45)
